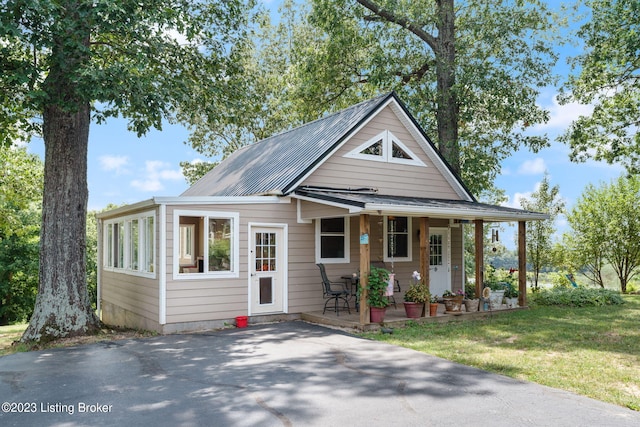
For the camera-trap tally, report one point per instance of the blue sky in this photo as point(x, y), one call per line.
point(125, 169)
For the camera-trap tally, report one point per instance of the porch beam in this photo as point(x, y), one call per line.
point(522, 263)
point(479, 249)
point(365, 265)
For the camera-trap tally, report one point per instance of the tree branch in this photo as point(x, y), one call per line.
point(402, 21)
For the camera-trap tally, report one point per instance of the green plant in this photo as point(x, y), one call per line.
point(418, 290)
point(448, 294)
point(470, 290)
point(577, 297)
point(510, 291)
point(433, 299)
point(377, 282)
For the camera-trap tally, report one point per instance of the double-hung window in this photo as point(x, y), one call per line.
point(397, 238)
point(332, 240)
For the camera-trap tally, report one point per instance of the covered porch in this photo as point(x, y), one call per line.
point(395, 317)
point(364, 204)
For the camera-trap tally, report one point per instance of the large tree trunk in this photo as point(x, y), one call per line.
point(447, 103)
point(62, 305)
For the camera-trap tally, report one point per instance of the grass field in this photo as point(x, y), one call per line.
point(591, 351)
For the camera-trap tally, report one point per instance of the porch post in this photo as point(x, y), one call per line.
point(365, 263)
point(522, 263)
point(479, 246)
point(424, 257)
point(424, 250)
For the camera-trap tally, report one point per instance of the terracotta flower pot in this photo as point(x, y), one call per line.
point(376, 314)
point(413, 309)
point(433, 309)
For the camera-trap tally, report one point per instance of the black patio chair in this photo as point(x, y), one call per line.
point(333, 291)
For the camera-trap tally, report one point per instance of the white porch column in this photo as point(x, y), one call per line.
point(479, 247)
point(522, 263)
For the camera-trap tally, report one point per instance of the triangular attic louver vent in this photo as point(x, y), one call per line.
point(385, 147)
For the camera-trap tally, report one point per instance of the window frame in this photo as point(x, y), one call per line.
point(409, 233)
point(118, 246)
point(347, 239)
point(388, 140)
point(234, 218)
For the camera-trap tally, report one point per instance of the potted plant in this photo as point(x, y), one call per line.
point(416, 296)
point(377, 283)
point(433, 305)
point(453, 302)
point(511, 296)
point(471, 303)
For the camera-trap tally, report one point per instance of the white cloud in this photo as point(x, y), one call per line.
point(561, 116)
point(532, 167)
point(114, 163)
point(156, 172)
point(514, 202)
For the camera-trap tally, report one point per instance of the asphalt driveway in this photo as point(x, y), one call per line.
point(285, 374)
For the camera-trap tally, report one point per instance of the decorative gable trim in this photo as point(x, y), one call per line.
point(385, 147)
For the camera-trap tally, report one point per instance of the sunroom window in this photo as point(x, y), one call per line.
point(207, 244)
point(129, 244)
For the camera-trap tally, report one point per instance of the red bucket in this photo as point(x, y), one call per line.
point(241, 321)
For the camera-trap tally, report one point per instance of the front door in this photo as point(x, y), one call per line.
point(267, 267)
point(439, 272)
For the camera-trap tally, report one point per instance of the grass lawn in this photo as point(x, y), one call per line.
point(9, 334)
point(592, 351)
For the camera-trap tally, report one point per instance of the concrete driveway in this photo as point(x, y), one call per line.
point(285, 374)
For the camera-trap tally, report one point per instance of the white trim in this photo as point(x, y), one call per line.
point(99, 266)
point(446, 262)
point(299, 218)
point(162, 266)
point(417, 135)
point(126, 221)
point(350, 208)
point(385, 241)
point(194, 200)
point(431, 153)
point(438, 212)
point(386, 156)
point(347, 242)
point(285, 260)
point(235, 245)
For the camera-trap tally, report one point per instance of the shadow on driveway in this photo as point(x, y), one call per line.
point(284, 374)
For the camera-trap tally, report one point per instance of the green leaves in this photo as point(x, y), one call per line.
point(606, 226)
point(607, 75)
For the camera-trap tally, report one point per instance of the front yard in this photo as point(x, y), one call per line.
point(592, 351)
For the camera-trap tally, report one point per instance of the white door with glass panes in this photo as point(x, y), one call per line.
point(268, 265)
point(439, 265)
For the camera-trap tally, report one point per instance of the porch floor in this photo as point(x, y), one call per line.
point(394, 317)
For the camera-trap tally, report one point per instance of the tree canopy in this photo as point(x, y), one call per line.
point(606, 223)
point(66, 62)
point(607, 76)
point(545, 199)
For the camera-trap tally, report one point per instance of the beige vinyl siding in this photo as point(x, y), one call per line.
point(129, 296)
point(190, 300)
point(389, 178)
point(137, 295)
point(316, 210)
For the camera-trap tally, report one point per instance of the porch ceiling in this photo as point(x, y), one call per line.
point(369, 202)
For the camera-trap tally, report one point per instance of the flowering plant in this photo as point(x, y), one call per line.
point(418, 291)
point(460, 292)
point(433, 299)
point(447, 294)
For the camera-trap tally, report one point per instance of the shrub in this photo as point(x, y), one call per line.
point(577, 297)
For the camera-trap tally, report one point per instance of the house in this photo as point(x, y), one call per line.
point(361, 185)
